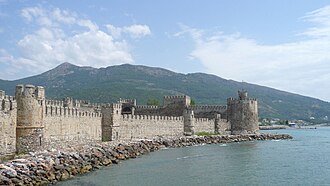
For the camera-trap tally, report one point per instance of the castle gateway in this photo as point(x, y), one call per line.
point(31, 122)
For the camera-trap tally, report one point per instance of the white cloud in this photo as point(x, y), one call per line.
point(64, 16)
point(135, 31)
point(114, 31)
point(31, 13)
point(61, 37)
point(94, 48)
point(301, 67)
point(320, 17)
point(89, 24)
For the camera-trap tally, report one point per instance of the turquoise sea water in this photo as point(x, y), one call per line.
point(304, 160)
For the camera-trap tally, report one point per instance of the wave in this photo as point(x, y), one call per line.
point(186, 157)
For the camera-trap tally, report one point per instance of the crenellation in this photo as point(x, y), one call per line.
point(133, 101)
point(179, 100)
point(35, 122)
point(70, 102)
point(208, 107)
point(40, 92)
point(153, 118)
point(8, 115)
point(175, 97)
point(147, 107)
point(57, 111)
point(2, 94)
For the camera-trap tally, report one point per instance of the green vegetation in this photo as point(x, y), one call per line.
point(204, 134)
point(140, 82)
point(192, 102)
point(154, 102)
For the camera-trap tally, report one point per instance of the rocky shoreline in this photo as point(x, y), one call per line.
point(51, 166)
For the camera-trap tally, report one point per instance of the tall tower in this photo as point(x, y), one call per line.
point(243, 114)
point(111, 115)
point(30, 113)
point(188, 122)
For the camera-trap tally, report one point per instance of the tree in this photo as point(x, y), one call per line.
point(192, 102)
point(154, 102)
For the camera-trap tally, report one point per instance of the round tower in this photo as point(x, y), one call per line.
point(30, 113)
point(243, 114)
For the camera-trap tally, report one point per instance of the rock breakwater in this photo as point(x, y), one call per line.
point(52, 166)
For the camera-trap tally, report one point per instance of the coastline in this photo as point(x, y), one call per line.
point(273, 127)
point(52, 166)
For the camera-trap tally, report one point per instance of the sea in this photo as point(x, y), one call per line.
point(304, 160)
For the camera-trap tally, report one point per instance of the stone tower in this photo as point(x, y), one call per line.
point(189, 121)
point(242, 114)
point(217, 118)
point(111, 115)
point(30, 113)
point(175, 105)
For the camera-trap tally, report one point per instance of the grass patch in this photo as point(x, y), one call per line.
point(21, 153)
point(204, 133)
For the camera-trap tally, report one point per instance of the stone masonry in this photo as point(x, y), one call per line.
point(31, 122)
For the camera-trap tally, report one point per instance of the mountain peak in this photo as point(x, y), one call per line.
point(65, 65)
point(61, 70)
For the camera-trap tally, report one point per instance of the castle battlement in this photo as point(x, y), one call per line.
point(30, 91)
point(238, 101)
point(2, 94)
point(117, 105)
point(149, 117)
point(176, 97)
point(126, 100)
point(69, 102)
point(182, 100)
point(95, 105)
point(7, 103)
point(146, 107)
point(69, 112)
point(208, 107)
point(203, 119)
point(31, 122)
point(50, 102)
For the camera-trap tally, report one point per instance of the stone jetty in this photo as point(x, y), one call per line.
point(51, 166)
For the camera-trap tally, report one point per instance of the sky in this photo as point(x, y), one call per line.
point(276, 43)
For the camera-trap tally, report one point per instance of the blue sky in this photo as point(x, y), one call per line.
point(279, 43)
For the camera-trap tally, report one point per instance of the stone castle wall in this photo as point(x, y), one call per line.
point(208, 111)
point(147, 110)
point(7, 124)
point(144, 126)
point(222, 126)
point(30, 122)
point(204, 125)
point(63, 124)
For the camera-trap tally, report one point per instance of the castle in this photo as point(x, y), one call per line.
point(31, 122)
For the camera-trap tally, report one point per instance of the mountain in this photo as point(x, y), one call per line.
point(143, 83)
